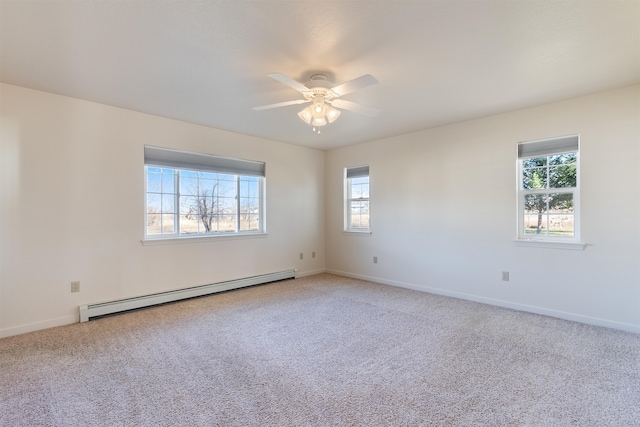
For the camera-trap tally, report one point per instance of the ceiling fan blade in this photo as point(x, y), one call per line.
point(355, 107)
point(281, 104)
point(289, 82)
point(355, 84)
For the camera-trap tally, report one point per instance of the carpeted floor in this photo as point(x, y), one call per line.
point(322, 351)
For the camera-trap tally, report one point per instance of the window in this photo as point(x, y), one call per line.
point(191, 194)
point(548, 189)
point(357, 199)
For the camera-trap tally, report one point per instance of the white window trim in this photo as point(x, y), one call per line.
point(547, 244)
point(550, 242)
point(366, 233)
point(157, 241)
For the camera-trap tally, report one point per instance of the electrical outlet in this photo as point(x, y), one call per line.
point(375, 259)
point(313, 254)
point(75, 286)
point(505, 276)
point(301, 255)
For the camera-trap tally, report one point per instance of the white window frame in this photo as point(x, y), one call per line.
point(350, 174)
point(543, 148)
point(175, 160)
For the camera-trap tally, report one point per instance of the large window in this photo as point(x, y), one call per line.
point(357, 199)
point(548, 189)
point(191, 194)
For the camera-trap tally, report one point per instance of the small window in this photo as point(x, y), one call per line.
point(357, 203)
point(548, 189)
point(192, 194)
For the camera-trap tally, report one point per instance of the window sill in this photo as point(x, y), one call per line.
point(547, 244)
point(366, 233)
point(200, 239)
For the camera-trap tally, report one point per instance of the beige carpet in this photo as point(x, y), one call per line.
point(322, 351)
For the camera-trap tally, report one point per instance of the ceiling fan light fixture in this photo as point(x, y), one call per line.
point(319, 121)
point(306, 115)
point(332, 114)
point(318, 108)
point(311, 115)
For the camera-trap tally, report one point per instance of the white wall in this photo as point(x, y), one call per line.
point(72, 206)
point(443, 205)
point(444, 212)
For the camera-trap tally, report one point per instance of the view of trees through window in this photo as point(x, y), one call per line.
point(548, 185)
point(185, 202)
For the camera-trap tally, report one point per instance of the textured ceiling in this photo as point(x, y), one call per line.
point(206, 62)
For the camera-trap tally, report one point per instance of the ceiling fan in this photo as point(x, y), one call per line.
point(324, 96)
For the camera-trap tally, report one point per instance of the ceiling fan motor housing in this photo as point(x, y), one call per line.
point(320, 86)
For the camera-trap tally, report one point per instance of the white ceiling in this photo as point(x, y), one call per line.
point(206, 62)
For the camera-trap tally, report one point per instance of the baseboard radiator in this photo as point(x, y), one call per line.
point(101, 309)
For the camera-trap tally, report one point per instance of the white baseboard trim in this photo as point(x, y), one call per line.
point(627, 327)
point(37, 326)
point(309, 273)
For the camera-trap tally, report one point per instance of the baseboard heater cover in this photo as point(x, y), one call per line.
point(101, 309)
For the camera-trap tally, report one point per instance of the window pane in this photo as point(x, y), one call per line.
point(168, 203)
point(226, 205)
point(560, 202)
point(207, 206)
point(358, 203)
point(207, 223)
point(533, 163)
point(167, 181)
point(562, 176)
point(153, 182)
point(208, 175)
point(207, 187)
point(359, 188)
point(153, 223)
point(154, 204)
point(188, 184)
point(563, 159)
point(227, 188)
point(364, 190)
point(188, 205)
point(249, 203)
point(535, 213)
point(357, 192)
point(534, 178)
point(244, 188)
point(184, 173)
point(534, 203)
point(549, 214)
point(357, 207)
point(360, 180)
point(189, 224)
point(254, 189)
point(535, 223)
point(227, 223)
point(167, 224)
point(359, 214)
point(561, 225)
point(249, 223)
